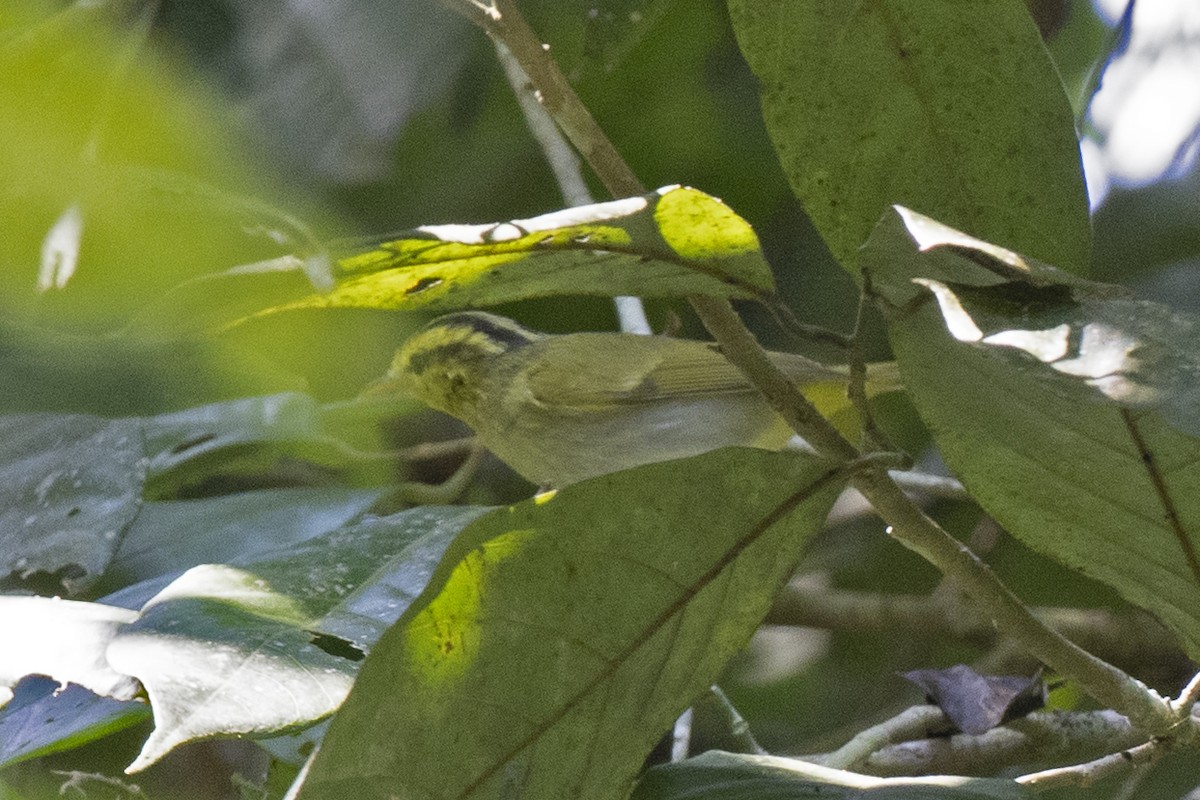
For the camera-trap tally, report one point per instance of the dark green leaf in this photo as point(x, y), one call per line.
point(614, 27)
point(560, 637)
point(273, 642)
point(173, 536)
point(44, 718)
point(952, 109)
point(69, 487)
point(1068, 409)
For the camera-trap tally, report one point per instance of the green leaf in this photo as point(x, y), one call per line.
point(731, 776)
point(173, 536)
point(72, 484)
point(46, 718)
point(952, 109)
point(274, 642)
point(671, 242)
point(612, 28)
point(560, 637)
point(244, 438)
point(1068, 409)
point(69, 486)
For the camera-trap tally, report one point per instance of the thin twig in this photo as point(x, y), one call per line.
point(566, 168)
point(449, 490)
point(1081, 775)
point(912, 723)
point(739, 728)
point(1189, 696)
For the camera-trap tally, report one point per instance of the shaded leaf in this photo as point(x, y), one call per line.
point(954, 110)
point(69, 487)
point(72, 484)
point(44, 718)
point(733, 776)
point(273, 642)
point(168, 538)
point(248, 436)
point(1066, 408)
point(560, 637)
point(977, 703)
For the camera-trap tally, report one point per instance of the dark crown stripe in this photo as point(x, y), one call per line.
point(498, 329)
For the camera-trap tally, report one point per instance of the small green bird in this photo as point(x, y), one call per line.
point(562, 408)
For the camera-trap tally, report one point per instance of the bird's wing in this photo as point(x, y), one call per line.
point(598, 370)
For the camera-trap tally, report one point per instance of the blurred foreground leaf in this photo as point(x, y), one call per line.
point(560, 637)
point(1069, 410)
point(732, 776)
point(101, 133)
point(955, 110)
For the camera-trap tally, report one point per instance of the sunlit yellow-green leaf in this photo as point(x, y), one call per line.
point(674, 241)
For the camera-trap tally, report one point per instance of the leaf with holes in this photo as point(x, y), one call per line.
point(671, 242)
point(674, 241)
point(274, 642)
point(1070, 410)
point(954, 109)
point(559, 638)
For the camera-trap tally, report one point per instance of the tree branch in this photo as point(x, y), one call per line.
point(907, 523)
point(912, 723)
point(1086, 774)
point(1042, 737)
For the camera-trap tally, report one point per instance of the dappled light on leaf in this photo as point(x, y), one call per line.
point(671, 242)
point(1067, 408)
point(593, 616)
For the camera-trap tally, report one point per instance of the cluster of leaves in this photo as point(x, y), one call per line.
point(238, 568)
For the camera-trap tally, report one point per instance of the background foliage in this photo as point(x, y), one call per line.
point(214, 134)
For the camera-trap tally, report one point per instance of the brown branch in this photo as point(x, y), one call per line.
point(907, 523)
